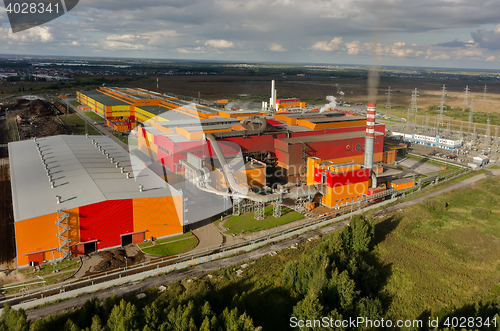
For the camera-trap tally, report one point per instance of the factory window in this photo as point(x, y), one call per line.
point(336, 201)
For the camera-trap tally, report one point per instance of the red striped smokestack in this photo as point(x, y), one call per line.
point(370, 139)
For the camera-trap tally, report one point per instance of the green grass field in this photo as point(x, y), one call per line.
point(78, 124)
point(172, 248)
point(247, 222)
point(75, 103)
point(443, 252)
point(93, 116)
point(123, 138)
point(166, 240)
point(495, 167)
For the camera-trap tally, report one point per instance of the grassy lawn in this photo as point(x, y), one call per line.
point(495, 167)
point(75, 103)
point(169, 239)
point(146, 244)
point(47, 268)
point(93, 116)
point(123, 138)
point(166, 240)
point(78, 124)
point(443, 252)
point(172, 248)
point(247, 222)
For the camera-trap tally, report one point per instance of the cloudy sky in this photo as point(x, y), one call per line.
point(440, 33)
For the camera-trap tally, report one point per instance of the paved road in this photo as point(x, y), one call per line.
point(209, 237)
point(463, 183)
point(177, 275)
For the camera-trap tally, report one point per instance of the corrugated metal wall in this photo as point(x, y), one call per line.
point(105, 221)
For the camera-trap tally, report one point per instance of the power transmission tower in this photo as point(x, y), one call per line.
point(488, 134)
point(466, 99)
point(441, 107)
point(388, 103)
point(485, 89)
point(470, 112)
point(414, 97)
point(496, 135)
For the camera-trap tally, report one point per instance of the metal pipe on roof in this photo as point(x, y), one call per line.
point(263, 127)
point(141, 188)
point(58, 197)
point(117, 164)
point(122, 169)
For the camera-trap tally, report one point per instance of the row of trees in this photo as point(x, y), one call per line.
point(338, 278)
point(333, 279)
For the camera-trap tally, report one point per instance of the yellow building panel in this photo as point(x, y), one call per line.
point(312, 163)
point(341, 195)
point(120, 114)
point(121, 108)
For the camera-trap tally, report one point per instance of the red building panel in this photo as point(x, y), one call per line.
point(105, 221)
point(343, 178)
point(138, 238)
point(36, 258)
point(78, 249)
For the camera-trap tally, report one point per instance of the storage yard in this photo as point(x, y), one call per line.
point(37, 118)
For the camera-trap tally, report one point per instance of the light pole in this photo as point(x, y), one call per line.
point(126, 265)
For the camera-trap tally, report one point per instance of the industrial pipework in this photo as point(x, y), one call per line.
point(239, 191)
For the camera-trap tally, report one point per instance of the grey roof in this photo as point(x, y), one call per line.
point(327, 137)
point(104, 99)
point(82, 175)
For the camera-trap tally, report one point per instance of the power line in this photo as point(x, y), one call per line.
point(466, 100)
point(441, 107)
point(388, 103)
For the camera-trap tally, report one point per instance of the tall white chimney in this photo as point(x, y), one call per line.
point(272, 100)
point(370, 139)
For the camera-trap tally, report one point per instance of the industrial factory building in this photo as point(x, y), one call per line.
point(74, 194)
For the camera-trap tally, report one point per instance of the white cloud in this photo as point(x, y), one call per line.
point(33, 35)
point(353, 47)
point(192, 50)
point(277, 48)
point(324, 46)
point(219, 43)
point(491, 58)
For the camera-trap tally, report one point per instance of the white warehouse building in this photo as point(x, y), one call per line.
point(434, 141)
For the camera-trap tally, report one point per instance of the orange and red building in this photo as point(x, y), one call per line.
point(74, 195)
